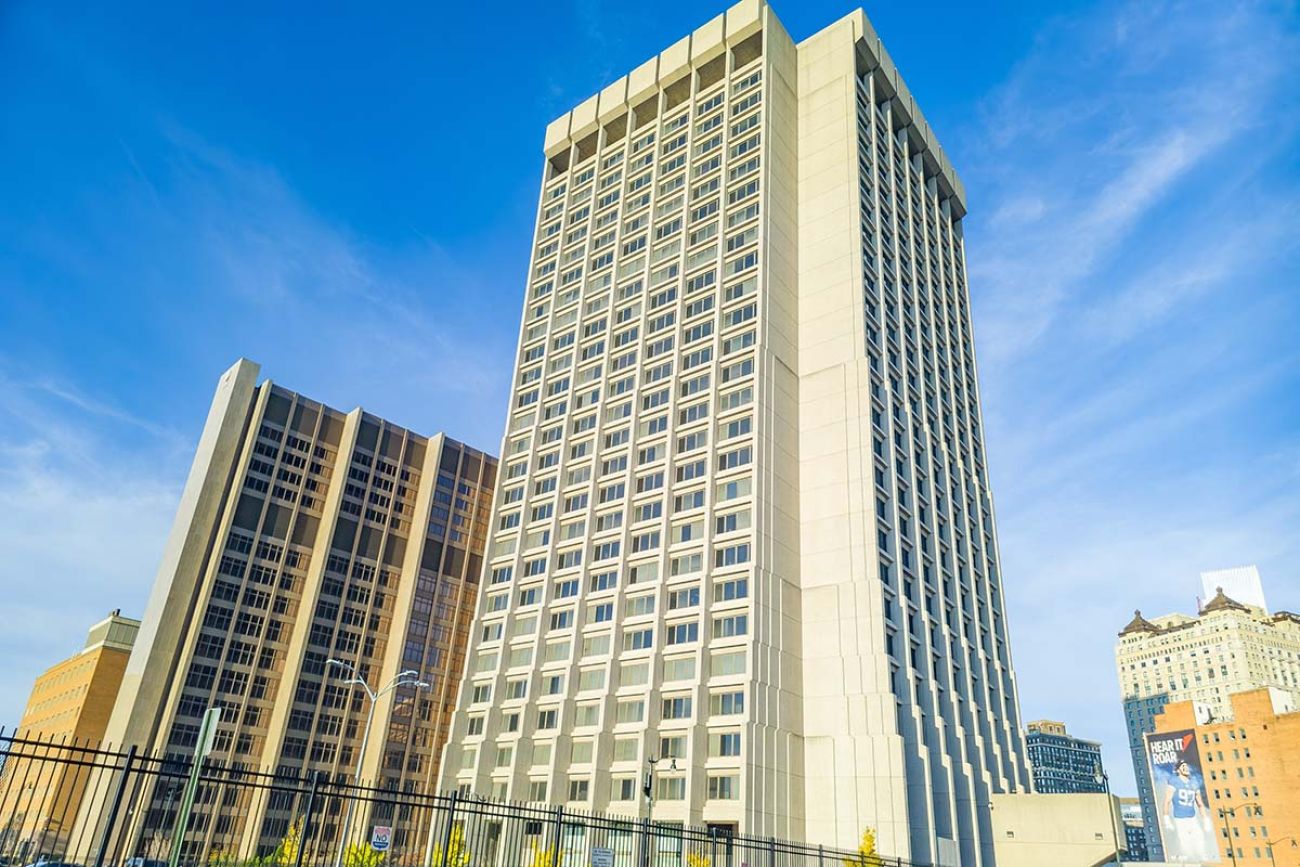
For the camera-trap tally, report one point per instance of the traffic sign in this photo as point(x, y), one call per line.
point(380, 837)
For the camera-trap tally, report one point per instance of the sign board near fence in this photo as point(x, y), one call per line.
point(602, 857)
point(380, 837)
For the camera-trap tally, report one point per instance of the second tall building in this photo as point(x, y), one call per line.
point(743, 524)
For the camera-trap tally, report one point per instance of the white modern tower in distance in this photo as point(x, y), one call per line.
point(743, 521)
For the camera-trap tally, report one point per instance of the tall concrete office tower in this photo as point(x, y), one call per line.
point(743, 524)
point(305, 533)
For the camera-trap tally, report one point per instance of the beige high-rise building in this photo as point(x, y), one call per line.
point(70, 704)
point(303, 534)
point(743, 525)
point(1229, 647)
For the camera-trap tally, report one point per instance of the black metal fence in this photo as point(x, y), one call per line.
point(84, 804)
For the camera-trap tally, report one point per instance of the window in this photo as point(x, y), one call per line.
point(677, 707)
point(732, 429)
point(681, 668)
point(686, 597)
point(520, 657)
point(726, 591)
point(733, 490)
point(686, 564)
point(724, 744)
point(726, 703)
point(732, 522)
point(729, 627)
point(649, 511)
point(595, 645)
point(546, 719)
point(625, 749)
point(692, 531)
point(689, 500)
point(731, 555)
point(557, 651)
point(634, 674)
point(591, 678)
point(587, 715)
point(683, 633)
point(672, 788)
point(645, 541)
point(643, 572)
point(630, 711)
point(579, 789)
point(641, 639)
point(580, 753)
point(640, 605)
point(738, 458)
point(724, 787)
point(672, 747)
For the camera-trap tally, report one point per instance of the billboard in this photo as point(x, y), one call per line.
point(1186, 826)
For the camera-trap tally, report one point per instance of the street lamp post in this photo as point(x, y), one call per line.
point(1103, 780)
point(648, 789)
point(404, 678)
point(1272, 859)
point(1224, 812)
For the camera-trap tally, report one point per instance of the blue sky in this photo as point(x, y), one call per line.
point(346, 194)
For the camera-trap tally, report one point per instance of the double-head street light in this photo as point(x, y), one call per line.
point(1103, 779)
point(404, 678)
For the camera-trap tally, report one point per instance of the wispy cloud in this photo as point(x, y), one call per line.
point(369, 311)
point(1135, 288)
point(1093, 134)
point(210, 255)
point(89, 489)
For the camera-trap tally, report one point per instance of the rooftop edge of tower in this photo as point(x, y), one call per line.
point(729, 30)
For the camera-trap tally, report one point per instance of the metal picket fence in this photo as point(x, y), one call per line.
point(82, 804)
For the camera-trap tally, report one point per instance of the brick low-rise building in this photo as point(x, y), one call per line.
point(70, 703)
point(1250, 760)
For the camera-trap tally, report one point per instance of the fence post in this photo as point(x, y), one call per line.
point(821, 855)
point(771, 851)
point(106, 837)
point(645, 842)
point(559, 825)
point(304, 833)
point(446, 834)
